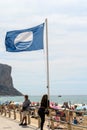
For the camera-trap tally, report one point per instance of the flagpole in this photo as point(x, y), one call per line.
point(47, 59)
point(47, 63)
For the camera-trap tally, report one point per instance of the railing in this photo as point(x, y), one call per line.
point(70, 126)
point(12, 113)
point(16, 114)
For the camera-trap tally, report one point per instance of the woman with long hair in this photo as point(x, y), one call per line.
point(42, 110)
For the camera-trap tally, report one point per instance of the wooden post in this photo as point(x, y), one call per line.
point(52, 125)
point(1, 111)
point(69, 123)
point(14, 115)
point(20, 116)
point(29, 119)
point(9, 113)
point(39, 121)
point(52, 122)
point(5, 112)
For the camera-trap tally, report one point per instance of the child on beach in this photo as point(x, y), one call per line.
point(75, 121)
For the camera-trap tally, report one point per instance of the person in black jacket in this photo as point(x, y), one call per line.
point(42, 110)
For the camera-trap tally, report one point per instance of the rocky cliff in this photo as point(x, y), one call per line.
point(6, 83)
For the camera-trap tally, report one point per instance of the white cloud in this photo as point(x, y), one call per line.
point(65, 19)
point(67, 24)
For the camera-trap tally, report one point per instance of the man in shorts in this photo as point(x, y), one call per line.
point(25, 110)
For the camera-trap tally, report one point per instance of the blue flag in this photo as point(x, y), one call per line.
point(25, 40)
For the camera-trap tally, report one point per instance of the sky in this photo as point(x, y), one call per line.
point(67, 44)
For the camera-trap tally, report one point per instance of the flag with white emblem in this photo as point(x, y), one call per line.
point(25, 40)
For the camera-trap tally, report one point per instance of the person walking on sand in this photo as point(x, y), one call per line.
point(25, 110)
point(42, 110)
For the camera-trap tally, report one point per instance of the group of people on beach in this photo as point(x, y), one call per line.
point(43, 109)
point(62, 114)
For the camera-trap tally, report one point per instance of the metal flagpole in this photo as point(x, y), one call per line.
point(47, 63)
point(47, 59)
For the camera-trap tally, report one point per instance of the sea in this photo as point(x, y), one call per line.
point(59, 99)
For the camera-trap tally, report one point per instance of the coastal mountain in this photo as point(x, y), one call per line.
point(6, 82)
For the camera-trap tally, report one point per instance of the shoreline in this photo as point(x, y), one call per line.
point(60, 100)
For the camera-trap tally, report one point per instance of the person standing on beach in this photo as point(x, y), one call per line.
point(42, 110)
point(25, 110)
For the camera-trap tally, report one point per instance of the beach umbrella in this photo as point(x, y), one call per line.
point(55, 107)
point(81, 108)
